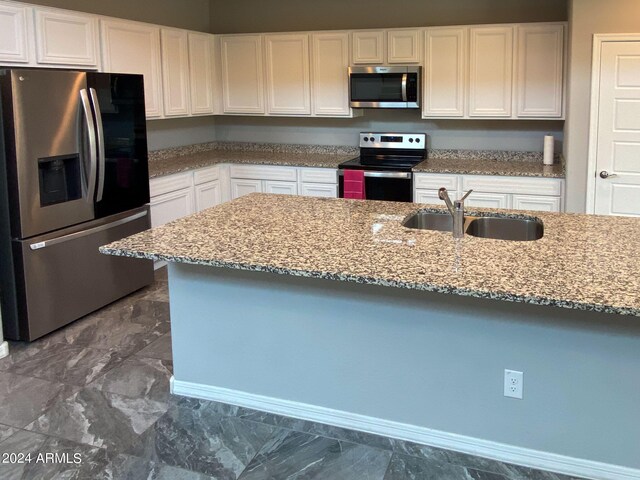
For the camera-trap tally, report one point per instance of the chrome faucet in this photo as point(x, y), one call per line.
point(456, 209)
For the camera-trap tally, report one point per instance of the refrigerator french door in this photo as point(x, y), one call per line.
point(75, 158)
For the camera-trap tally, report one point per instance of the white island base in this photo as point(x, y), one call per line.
point(419, 366)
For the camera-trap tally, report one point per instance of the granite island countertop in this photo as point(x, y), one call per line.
point(364, 242)
point(470, 162)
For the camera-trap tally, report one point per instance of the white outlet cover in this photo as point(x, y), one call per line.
point(513, 384)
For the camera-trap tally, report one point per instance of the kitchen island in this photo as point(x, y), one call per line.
point(331, 310)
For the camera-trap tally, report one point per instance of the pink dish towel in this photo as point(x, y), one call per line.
point(354, 184)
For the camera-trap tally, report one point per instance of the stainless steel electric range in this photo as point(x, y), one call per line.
point(387, 160)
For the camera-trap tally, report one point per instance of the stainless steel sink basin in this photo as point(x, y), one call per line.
point(422, 220)
point(503, 228)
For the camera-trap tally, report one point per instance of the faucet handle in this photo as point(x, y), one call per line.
point(465, 196)
point(442, 192)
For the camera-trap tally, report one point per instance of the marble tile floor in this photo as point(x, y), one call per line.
point(97, 394)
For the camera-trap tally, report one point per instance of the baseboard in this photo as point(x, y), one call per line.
point(4, 349)
point(474, 446)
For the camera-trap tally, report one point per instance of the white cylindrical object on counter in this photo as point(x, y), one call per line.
point(547, 157)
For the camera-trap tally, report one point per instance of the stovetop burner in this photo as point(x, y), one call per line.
point(388, 151)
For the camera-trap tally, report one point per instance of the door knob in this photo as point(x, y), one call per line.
point(605, 174)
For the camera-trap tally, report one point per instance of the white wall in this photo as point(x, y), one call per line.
point(587, 17)
point(443, 134)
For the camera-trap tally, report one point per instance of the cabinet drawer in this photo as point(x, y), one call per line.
point(516, 185)
point(170, 183)
point(329, 190)
point(264, 172)
point(431, 196)
point(318, 175)
point(488, 200)
point(435, 181)
point(205, 175)
point(537, 202)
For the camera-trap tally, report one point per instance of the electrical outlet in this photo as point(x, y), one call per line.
point(513, 382)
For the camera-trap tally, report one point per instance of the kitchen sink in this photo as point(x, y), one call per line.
point(424, 220)
point(501, 228)
point(505, 228)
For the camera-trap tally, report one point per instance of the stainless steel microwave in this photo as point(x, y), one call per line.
point(384, 87)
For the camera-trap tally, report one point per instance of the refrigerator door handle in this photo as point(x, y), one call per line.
point(84, 233)
point(101, 150)
point(91, 130)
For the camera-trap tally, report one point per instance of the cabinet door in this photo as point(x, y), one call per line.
point(201, 73)
point(445, 72)
point(403, 46)
point(288, 77)
point(329, 190)
point(14, 47)
point(175, 72)
point(330, 78)
point(283, 188)
point(488, 200)
point(171, 206)
point(208, 195)
point(66, 39)
point(491, 71)
point(539, 81)
point(242, 76)
point(130, 47)
point(368, 47)
point(241, 186)
point(536, 202)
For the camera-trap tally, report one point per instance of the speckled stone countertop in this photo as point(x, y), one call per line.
point(364, 242)
point(470, 162)
point(182, 159)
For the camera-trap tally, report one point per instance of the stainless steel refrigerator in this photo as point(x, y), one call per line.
point(74, 176)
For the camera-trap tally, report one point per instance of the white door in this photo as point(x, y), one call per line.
point(130, 47)
point(171, 206)
point(208, 195)
point(328, 190)
point(13, 33)
point(242, 75)
point(330, 54)
point(283, 188)
point(368, 47)
point(617, 173)
point(175, 72)
point(487, 200)
point(491, 71)
point(288, 77)
point(66, 39)
point(403, 46)
point(201, 73)
point(241, 186)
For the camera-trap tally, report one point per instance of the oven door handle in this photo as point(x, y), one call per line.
point(383, 174)
point(404, 87)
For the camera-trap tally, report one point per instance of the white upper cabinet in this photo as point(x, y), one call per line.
point(131, 47)
point(445, 72)
point(288, 74)
point(242, 74)
point(330, 79)
point(403, 46)
point(14, 43)
point(491, 71)
point(175, 72)
point(539, 74)
point(66, 38)
point(201, 73)
point(368, 47)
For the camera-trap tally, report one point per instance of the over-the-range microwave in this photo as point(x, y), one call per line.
point(384, 87)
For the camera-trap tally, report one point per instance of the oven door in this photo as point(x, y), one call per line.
point(382, 185)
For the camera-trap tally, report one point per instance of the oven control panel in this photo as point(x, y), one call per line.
point(416, 141)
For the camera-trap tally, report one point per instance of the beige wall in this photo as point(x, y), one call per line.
point(189, 14)
point(288, 15)
point(587, 17)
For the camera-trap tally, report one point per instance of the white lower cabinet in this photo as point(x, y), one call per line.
point(283, 188)
point(519, 193)
point(319, 190)
point(208, 195)
point(171, 206)
point(244, 186)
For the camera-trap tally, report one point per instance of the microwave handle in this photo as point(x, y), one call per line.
point(404, 87)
